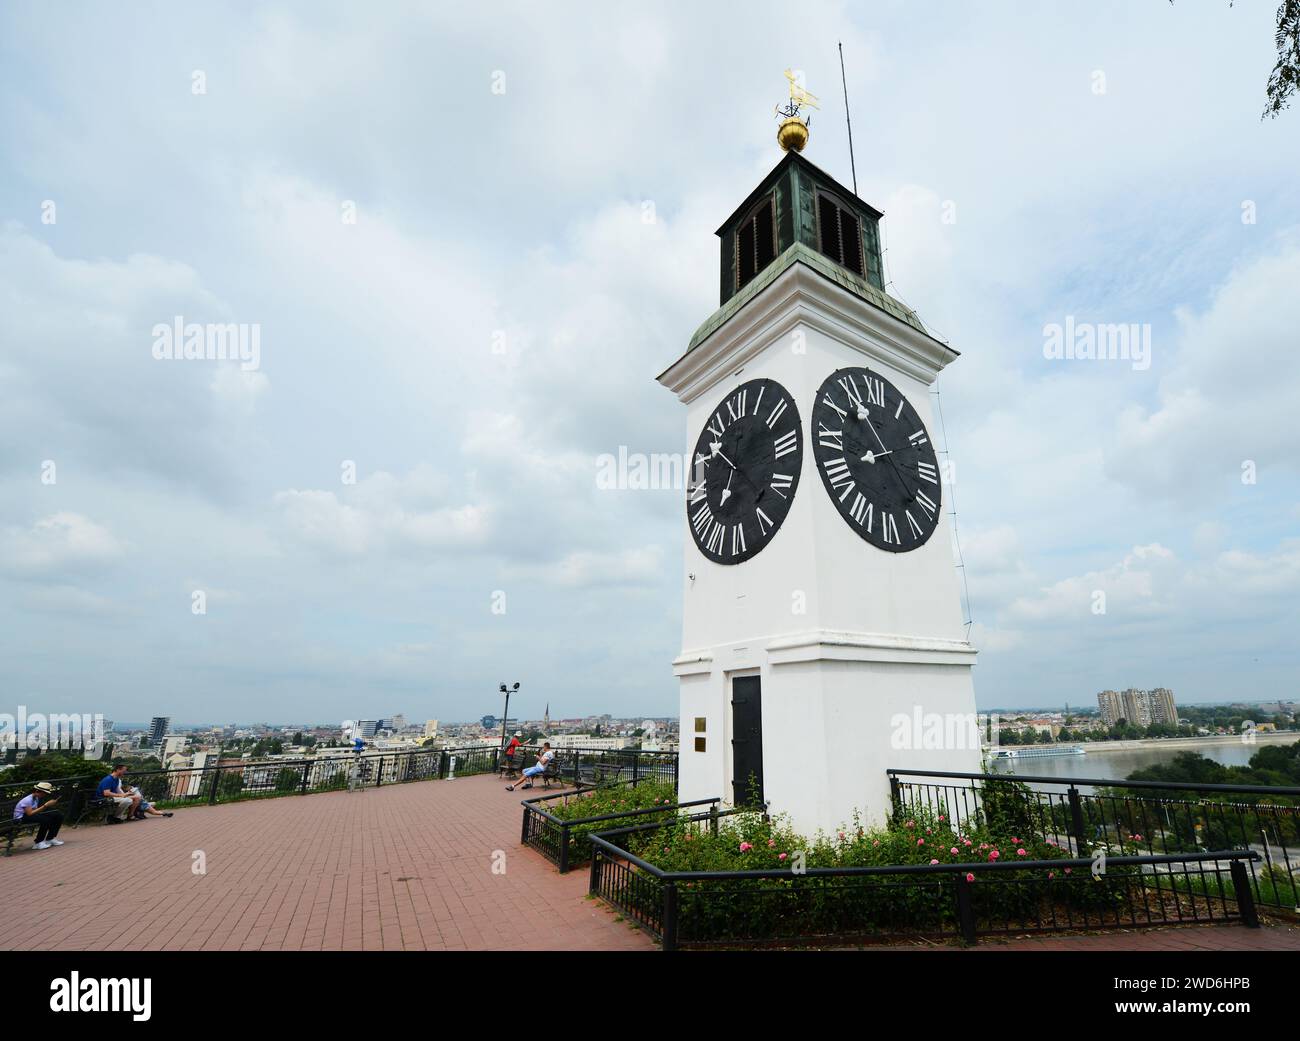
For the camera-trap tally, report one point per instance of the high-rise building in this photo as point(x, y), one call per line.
point(158, 727)
point(431, 728)
point(1139, 708)
point(1163, 709)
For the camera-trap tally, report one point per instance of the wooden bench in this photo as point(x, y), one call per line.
point(11, 827)
point(509, 767)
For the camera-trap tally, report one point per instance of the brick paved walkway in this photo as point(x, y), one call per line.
point(407, 867)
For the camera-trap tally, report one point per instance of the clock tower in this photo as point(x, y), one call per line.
point(822, 637)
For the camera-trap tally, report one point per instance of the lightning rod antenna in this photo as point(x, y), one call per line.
point(852, 165)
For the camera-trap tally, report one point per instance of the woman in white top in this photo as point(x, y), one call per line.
point(38, 809)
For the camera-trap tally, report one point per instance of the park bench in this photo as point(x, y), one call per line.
point(11, 828)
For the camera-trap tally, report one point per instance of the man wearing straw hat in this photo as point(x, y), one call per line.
point(38, 809)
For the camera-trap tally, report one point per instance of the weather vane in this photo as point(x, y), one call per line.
point(792, 134)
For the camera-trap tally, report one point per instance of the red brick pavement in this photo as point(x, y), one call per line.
point(407, 867)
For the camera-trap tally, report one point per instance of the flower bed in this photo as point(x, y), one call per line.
point(756, 881)
point(557, 826)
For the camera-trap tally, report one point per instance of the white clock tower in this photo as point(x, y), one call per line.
point(822, 636)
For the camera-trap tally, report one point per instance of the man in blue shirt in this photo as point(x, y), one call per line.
point(120, 805)
point(38, 808)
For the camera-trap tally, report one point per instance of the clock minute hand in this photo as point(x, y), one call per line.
point(871, 457)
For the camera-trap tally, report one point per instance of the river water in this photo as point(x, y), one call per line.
point(1116, 765)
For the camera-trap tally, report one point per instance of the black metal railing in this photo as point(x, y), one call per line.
point(1158, 817)
point(962, 902)
point(272, 778)
point(561, 839)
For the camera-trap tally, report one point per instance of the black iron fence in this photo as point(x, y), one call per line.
point(850, 906)
point(582, 767)
point(272, 778)
point(561, 840)
point(1158, 817)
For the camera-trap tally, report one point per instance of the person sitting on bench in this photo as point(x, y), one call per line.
point(38, 809)
point(120, 805)
point(543, 761)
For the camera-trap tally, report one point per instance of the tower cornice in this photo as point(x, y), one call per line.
point(803, 288)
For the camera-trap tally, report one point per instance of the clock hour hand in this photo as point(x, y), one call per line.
point(716, 448)
point(871, 457)
point(727, 490)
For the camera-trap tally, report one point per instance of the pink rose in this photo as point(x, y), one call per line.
point(932, 862)
point(993, 855)
point(771, 843)
point(953, 851)
point(782, 856)
point(942, 818)
point(920, 842)
point(970, 876)
point(1021, 851)
point(745, 847)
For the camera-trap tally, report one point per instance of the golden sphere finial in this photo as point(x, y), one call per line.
point(792, 134)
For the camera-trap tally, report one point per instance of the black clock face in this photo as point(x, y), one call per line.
point(876, 460)
point(744, 471)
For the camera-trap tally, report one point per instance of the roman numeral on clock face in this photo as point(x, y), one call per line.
point(715, 426)
point(775, 414)
point(781, 484)
point(828, 438)
point(764, 521)
point(850, 387)
point(714, 544)
point(736, 406)
point(700, 518)
point(787, 443)
point(889, 529)
point(928, 472)
point(699, 492)
point(927, 503)
point(861, 510)
point(838, 472)
point(828, 400)
point(918, 438)
point(737, 540)
point(911, 523)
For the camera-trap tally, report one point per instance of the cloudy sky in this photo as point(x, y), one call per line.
point(435, 215)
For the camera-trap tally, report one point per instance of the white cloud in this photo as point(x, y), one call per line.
point(58, 544)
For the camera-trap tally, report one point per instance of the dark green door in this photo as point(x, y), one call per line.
point(746, 741)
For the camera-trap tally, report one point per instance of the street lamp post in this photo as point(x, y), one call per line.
point(505, 718)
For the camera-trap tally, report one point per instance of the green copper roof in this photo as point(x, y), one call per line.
point(799, 253)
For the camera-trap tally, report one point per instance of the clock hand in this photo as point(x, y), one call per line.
point(871, 457)
point(727, 490)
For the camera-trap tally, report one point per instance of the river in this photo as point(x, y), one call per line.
point(1117, 764)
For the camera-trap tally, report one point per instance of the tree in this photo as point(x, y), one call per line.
point(1284, 80)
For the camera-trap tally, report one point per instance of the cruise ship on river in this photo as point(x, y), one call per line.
point(1034, 752)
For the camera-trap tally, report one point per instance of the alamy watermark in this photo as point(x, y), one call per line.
point(1090, 341)
point(639, 471)
point(30, 732)
point(208, 341)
